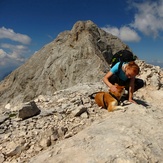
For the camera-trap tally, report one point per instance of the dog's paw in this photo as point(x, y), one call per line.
point(122, 108)
point(126, 102)
point(119, 108)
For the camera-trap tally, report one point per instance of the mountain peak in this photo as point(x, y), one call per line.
point(77, 56)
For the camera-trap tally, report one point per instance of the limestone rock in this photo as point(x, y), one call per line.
point(2, 158)
point(29, 110)
point(133, 134)
point(121, 137)
point(151, 74)
point(3, 118)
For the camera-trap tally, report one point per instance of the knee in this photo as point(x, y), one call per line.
point(139, 83)
point(142, 83)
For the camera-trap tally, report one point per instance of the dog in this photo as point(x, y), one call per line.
point(109, 100)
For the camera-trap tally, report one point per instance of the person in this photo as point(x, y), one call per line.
point(124, 76)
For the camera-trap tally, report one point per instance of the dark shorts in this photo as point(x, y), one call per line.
point(139, 83)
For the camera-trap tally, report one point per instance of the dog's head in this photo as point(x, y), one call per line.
point(120, 91)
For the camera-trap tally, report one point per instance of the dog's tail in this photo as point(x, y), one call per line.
point(92, 96)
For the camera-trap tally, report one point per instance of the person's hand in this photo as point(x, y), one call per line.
point(132, 101)
point(113, 88)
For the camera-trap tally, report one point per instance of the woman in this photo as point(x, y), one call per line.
point(124, 75)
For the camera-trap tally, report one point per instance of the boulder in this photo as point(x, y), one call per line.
point(29, 110)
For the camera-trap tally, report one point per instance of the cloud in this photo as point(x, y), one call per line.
point(124, 33)
point(2, 53)
point(13, 49)
point(149, 17)
point(12, 54)
point(10, 34)
point(16, 53)
point(156, 63)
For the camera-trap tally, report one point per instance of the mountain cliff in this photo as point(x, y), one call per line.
point(77, 56)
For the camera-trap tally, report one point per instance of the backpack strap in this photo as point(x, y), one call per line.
point(120, 82)
point(119, 67)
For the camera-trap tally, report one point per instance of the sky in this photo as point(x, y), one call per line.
point(26, 26)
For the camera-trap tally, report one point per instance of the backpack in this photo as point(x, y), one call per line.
point(122, 56)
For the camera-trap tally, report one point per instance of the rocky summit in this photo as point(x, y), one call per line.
point(46, 114)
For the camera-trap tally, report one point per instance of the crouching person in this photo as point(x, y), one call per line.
point(124, 74)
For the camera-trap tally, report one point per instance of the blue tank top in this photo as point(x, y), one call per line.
point(121, 73)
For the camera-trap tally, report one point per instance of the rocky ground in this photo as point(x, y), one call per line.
point(62, 115)
point(133, 134)
point(70, 127)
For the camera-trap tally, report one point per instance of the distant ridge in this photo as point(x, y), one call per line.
point(157, 64)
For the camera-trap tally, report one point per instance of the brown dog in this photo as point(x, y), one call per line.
point(109, 100)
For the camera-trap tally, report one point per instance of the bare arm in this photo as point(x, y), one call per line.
point(106, 81)
point(131, 90)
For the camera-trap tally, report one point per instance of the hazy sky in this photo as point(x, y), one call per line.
point(27, 25)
